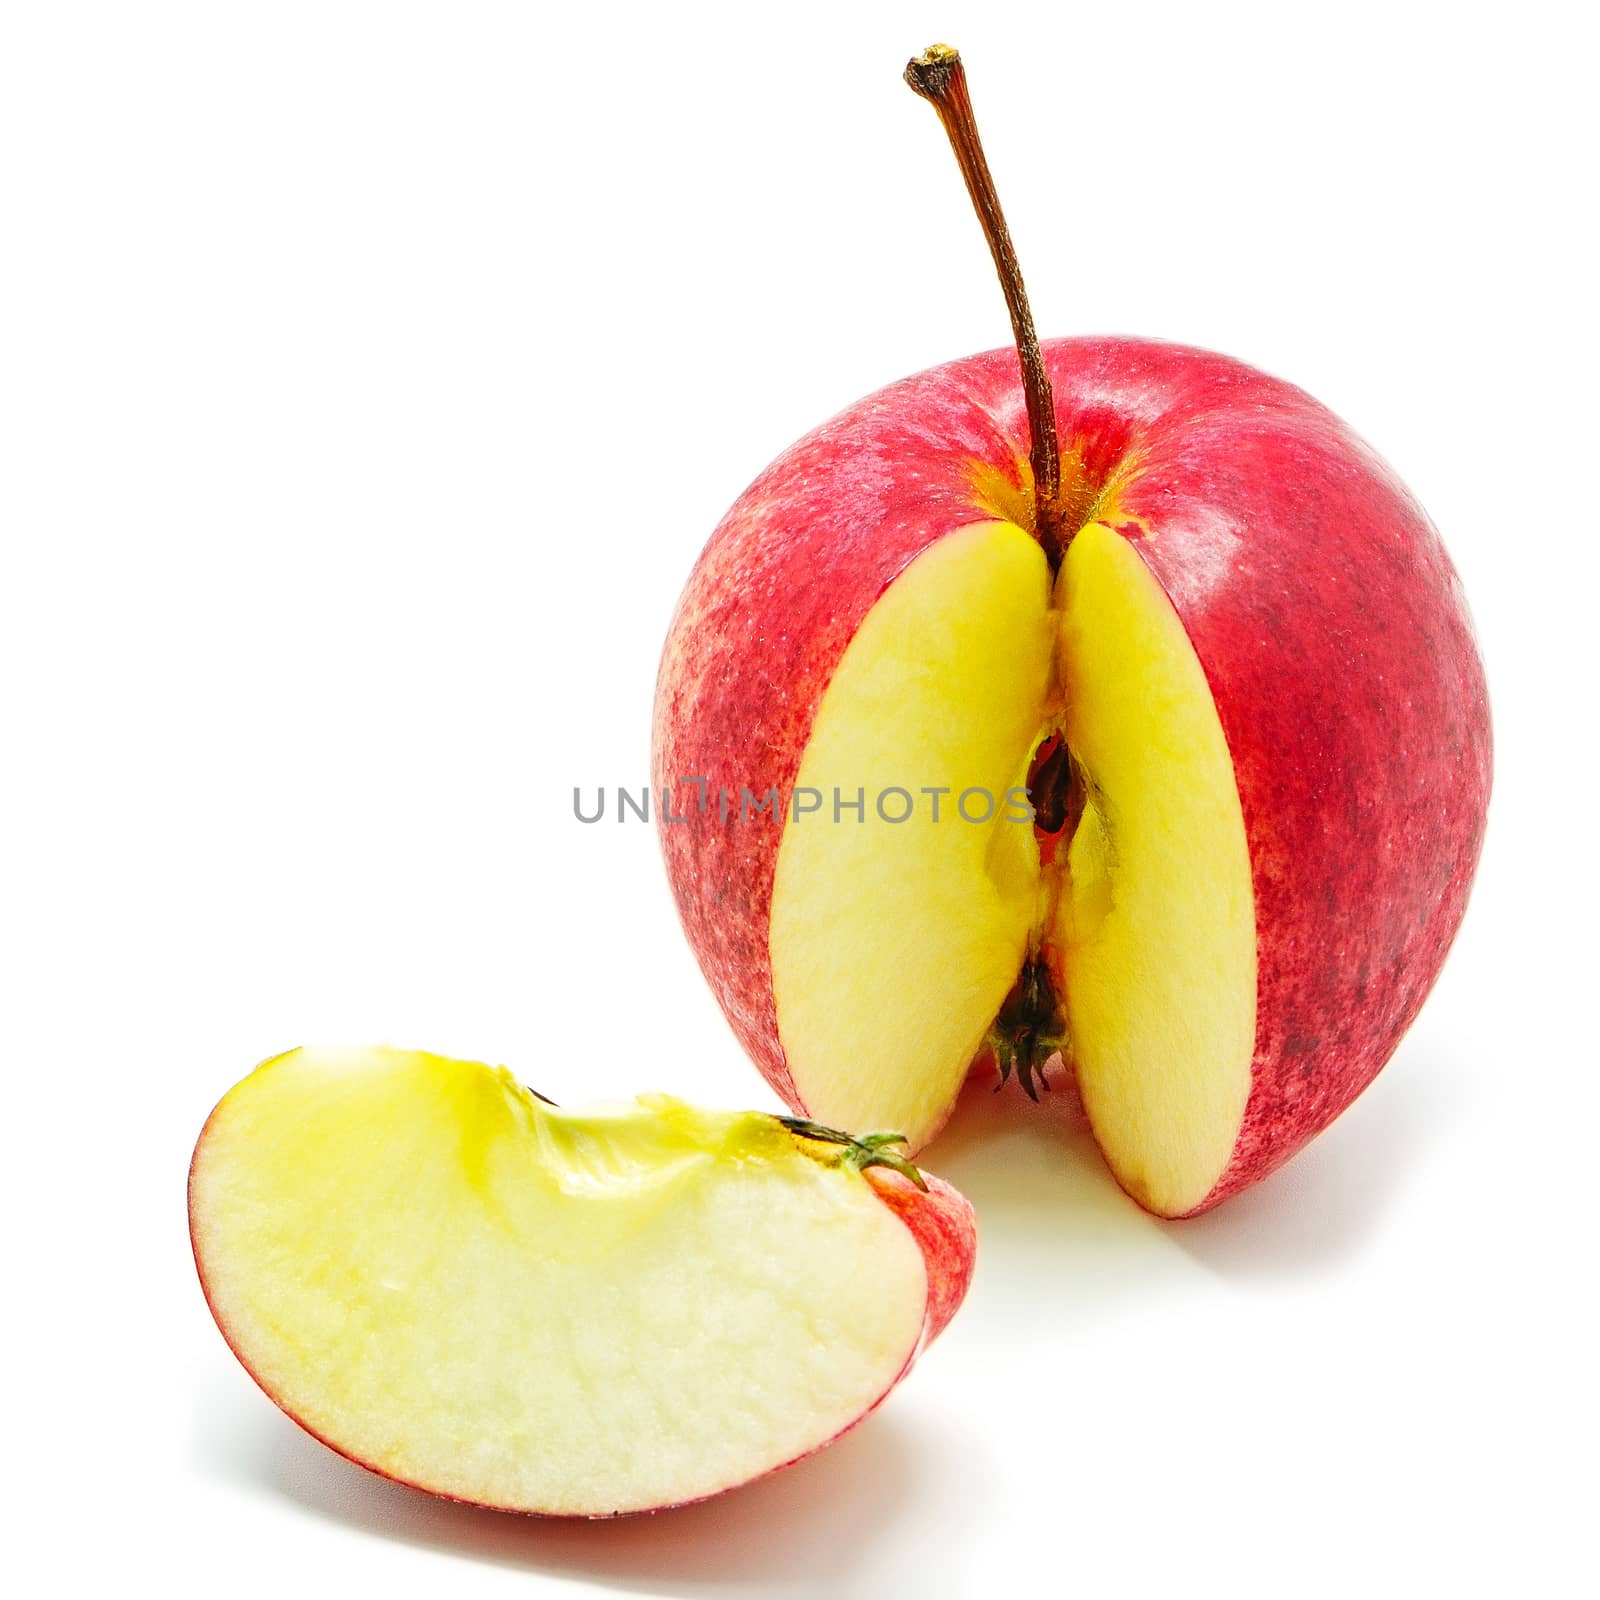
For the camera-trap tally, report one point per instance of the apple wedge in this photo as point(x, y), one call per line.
point(578, 1313)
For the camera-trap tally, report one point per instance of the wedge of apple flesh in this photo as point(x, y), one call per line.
point(466, 1289)
point(1144, 922)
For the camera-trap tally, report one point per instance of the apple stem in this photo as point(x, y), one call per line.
point(938, 76)
point(867, 1150)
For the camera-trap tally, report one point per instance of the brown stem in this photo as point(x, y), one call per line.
point(938, 76)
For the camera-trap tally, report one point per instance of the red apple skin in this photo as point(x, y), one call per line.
point(1329, 621)
point(940, 1219)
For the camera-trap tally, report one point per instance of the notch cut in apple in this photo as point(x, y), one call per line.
point(1141, 916)
point(466, 1289)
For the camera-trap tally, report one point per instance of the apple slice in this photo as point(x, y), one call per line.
point(456, 1284)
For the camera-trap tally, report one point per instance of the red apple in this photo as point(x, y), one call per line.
point(579, 1313)
point(1236, 676)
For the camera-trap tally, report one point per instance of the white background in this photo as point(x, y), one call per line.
point(371, 378)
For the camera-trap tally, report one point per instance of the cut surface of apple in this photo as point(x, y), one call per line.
point(466, 1289)
point(953, 681)
point(1153, 935)
point(943, 687)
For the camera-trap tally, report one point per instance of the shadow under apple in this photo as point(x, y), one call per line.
point(802, 1531)
point(1058, 1238)
point(1320, 1207)
point(1058, 1241)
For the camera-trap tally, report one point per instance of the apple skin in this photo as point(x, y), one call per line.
point(1320, 602)
point(939, 1218)
point(941, 1221)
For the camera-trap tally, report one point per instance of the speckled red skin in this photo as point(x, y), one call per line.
point(941, 1220)
point(1321, 604)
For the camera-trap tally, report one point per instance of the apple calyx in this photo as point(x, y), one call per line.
point(1029, 1029)
point(859, 1152)
point(939, 77)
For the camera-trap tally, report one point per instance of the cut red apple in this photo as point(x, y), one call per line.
point(581, 1313)
point(1181, 609)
